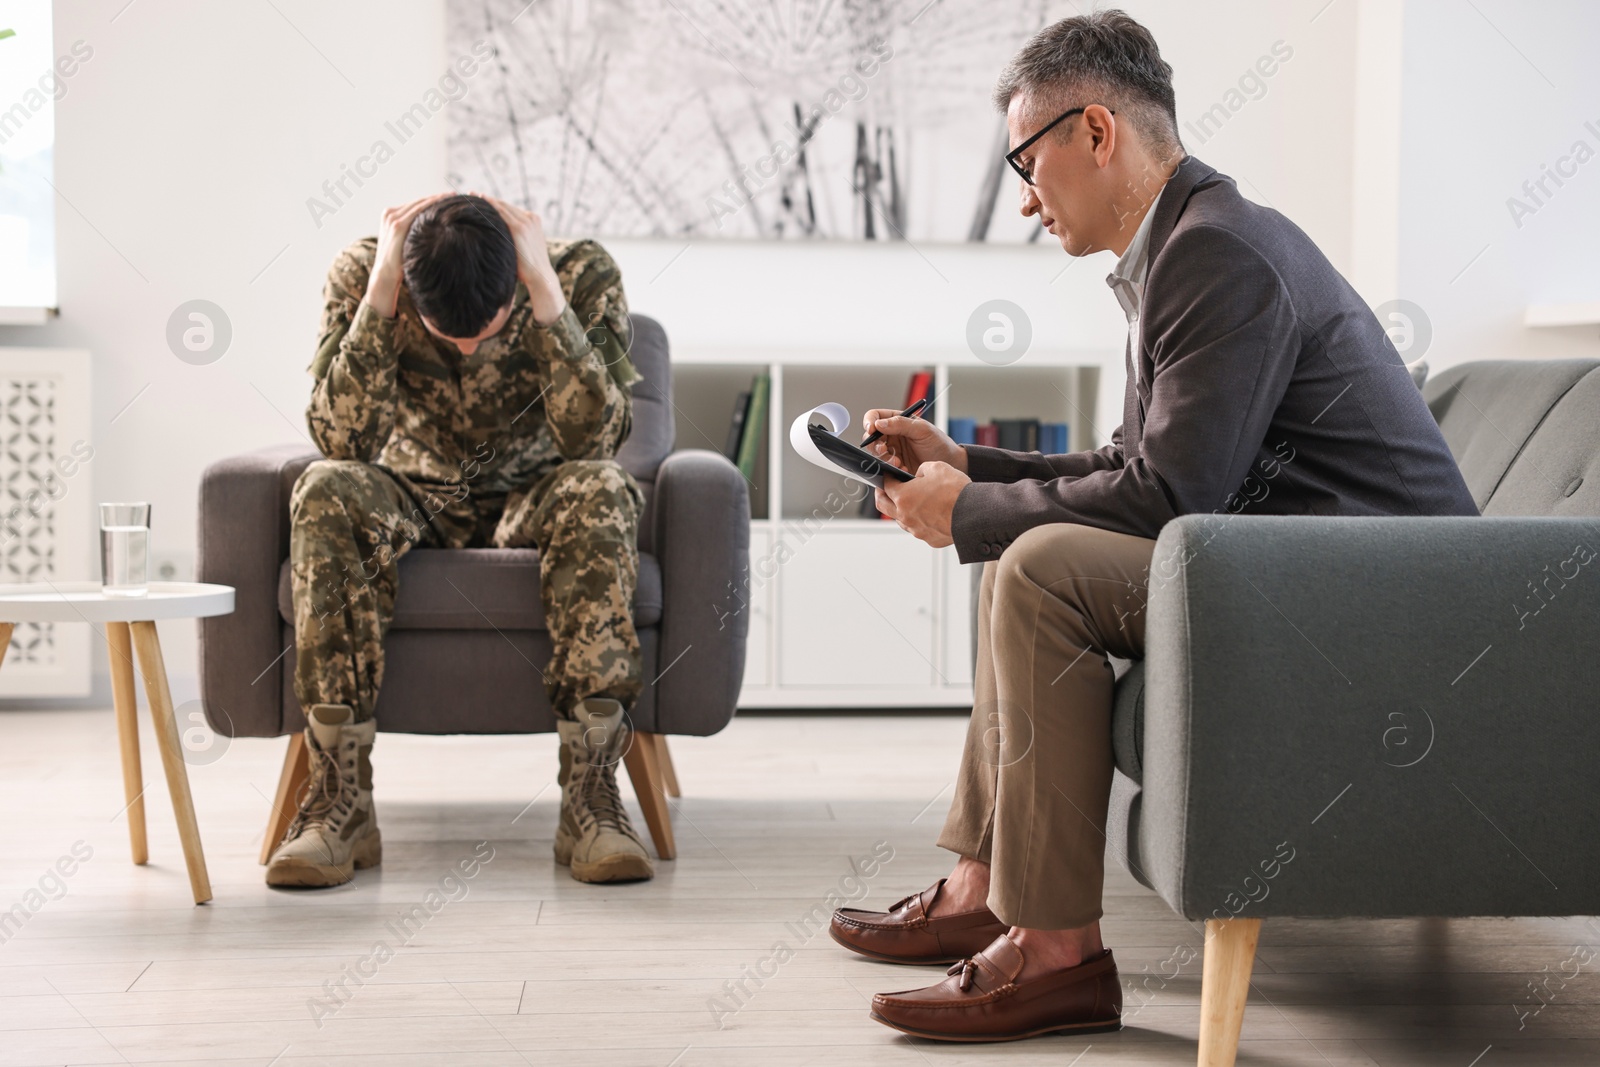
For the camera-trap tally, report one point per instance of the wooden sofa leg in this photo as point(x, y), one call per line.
point(669, 774)
point(1224, 987)
point(644, 768)
point(291, 783)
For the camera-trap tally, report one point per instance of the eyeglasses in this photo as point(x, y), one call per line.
point(1011, 156)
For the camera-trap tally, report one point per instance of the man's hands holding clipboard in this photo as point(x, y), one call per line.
point(923, 506)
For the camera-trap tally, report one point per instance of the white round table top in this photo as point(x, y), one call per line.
point(87, 602)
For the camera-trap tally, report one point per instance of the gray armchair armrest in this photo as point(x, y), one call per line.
point(702, 540)
point(243, 541)
point(1373, 717)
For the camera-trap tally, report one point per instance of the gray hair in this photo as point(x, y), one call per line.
point(1101, 58)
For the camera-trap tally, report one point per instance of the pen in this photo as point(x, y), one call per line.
point(914, 409)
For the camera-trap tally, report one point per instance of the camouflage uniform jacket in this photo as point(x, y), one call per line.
point(456, 429)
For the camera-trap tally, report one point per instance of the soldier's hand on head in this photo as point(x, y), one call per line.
point(534, 269)
point(383, 284)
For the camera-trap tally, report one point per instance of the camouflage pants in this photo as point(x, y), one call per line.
point(351, 522)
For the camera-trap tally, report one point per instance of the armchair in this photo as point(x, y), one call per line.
point(468, 626)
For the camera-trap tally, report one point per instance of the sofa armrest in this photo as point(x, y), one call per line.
point(243, 541)
point(1373, 717)
point(702, 539)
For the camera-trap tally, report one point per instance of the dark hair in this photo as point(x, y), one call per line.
point(1105, 54)
point(460, 264)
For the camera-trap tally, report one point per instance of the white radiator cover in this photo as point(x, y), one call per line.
point(48, 530)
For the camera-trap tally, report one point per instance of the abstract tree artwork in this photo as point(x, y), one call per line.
point(777, 119)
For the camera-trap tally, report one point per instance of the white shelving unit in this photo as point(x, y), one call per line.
point(847, 611)
point(1585, 313)
point(20, 316)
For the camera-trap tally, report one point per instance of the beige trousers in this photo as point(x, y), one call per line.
point(1035, 774)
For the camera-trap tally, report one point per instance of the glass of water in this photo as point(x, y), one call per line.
point(124, 549)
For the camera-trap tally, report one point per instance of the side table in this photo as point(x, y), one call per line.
point(130, 624)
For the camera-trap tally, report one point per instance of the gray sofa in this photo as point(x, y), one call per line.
point(1378, 717)
point(468, 628)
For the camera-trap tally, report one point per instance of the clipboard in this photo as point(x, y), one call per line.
point(822, 447)
point(852, 458)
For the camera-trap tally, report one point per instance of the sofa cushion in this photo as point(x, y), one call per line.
point(1558, 470)
point(1127, 718)
point(480, 589)
point(1488, 410)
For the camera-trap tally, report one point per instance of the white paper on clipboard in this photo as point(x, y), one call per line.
point(837, 416)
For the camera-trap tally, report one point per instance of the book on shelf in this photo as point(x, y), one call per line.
point(1017, 435)
point(741, 407)
point(920, 388)
point(753, 425)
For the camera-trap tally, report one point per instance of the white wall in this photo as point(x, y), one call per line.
point(1492, 92)
point(190, 142)
point(187, 146)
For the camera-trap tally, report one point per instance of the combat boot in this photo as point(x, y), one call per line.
point(336, 829)
point(595, 836)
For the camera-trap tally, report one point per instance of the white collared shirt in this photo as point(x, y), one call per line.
point(1127, 280)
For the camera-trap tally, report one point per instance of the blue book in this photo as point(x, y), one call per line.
point(963, 431)
point(1053, 438)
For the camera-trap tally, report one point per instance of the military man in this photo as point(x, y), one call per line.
point(472, 388)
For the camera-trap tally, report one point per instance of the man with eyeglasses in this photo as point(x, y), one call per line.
point(1258, 382)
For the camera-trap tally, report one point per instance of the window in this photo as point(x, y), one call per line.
point(30, 84)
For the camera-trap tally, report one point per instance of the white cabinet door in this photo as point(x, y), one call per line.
point(957, 613)
point(856, 608)
point(758, 594)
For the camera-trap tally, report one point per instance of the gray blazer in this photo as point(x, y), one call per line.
point(1266, 386)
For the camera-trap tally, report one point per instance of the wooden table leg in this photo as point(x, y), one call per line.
point(126, 700)
point(286, 802)
point(148, 647)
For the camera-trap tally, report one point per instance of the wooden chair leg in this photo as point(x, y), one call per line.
point(669, 775)
point(286, 801)
point(1224, 987)
point(148, 647)
point(119, 645)
point(645, 771)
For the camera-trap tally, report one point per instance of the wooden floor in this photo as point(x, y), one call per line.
point(711, 963)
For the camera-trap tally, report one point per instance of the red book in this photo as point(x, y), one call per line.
point(921, 388)
point(989, 434)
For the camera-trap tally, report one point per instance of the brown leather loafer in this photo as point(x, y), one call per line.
point(906, 933)
point(981, 1000)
